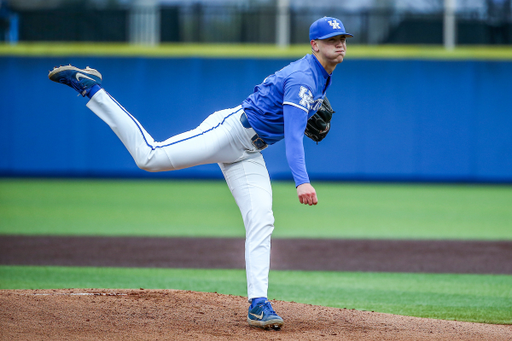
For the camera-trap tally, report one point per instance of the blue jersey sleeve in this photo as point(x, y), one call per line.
point(295, 121)
point(297, 92)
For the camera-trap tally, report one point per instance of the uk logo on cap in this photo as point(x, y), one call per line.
point(327, 27)
point(335, 24)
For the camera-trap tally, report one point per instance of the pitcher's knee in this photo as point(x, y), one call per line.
point(153, 163)
point(147, 167)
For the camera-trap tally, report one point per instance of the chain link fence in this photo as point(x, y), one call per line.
point(205, 23)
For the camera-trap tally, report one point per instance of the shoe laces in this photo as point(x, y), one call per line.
point(267, 308)
point(75, 85)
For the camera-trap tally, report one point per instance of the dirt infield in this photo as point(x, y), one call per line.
point(183, 315)
point(287, 254)
point(99, 314)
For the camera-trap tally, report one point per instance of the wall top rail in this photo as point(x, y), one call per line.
point(260, 51)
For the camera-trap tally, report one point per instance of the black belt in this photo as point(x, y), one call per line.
point(257, 141)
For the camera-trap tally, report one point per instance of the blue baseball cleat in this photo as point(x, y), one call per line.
point(80, 80)
point(262, 315)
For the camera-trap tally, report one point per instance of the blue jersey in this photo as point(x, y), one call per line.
point(292, 94)
point(301, 84)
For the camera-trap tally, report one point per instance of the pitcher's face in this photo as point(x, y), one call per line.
point(332, 50)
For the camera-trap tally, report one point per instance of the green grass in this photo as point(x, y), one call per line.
point(97, 207)
point(59, 277)
point(179, 208)
point(423, 52)
point(398, 211)
point(206, 208)
point(474, 298)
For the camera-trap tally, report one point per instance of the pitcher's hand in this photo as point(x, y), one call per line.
point(307, 194)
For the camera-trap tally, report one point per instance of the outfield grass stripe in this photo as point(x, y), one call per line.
point(345, 211)
point(474, 298)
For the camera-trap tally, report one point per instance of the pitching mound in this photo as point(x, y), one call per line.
point(99, 314)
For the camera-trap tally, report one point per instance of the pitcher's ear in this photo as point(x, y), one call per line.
point(314, 46)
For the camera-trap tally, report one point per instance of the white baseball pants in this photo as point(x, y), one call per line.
point(221, 139)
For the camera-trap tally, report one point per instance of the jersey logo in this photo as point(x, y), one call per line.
point(318, 104)
point(335, 25)
point(307, 98)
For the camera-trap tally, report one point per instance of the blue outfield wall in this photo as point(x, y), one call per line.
point(398, 120)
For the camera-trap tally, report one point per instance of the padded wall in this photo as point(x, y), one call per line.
point(395, 120)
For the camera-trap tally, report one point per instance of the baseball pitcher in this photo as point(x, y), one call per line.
point(287, 105)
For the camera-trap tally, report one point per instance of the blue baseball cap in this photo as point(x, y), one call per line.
point(327, 27)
